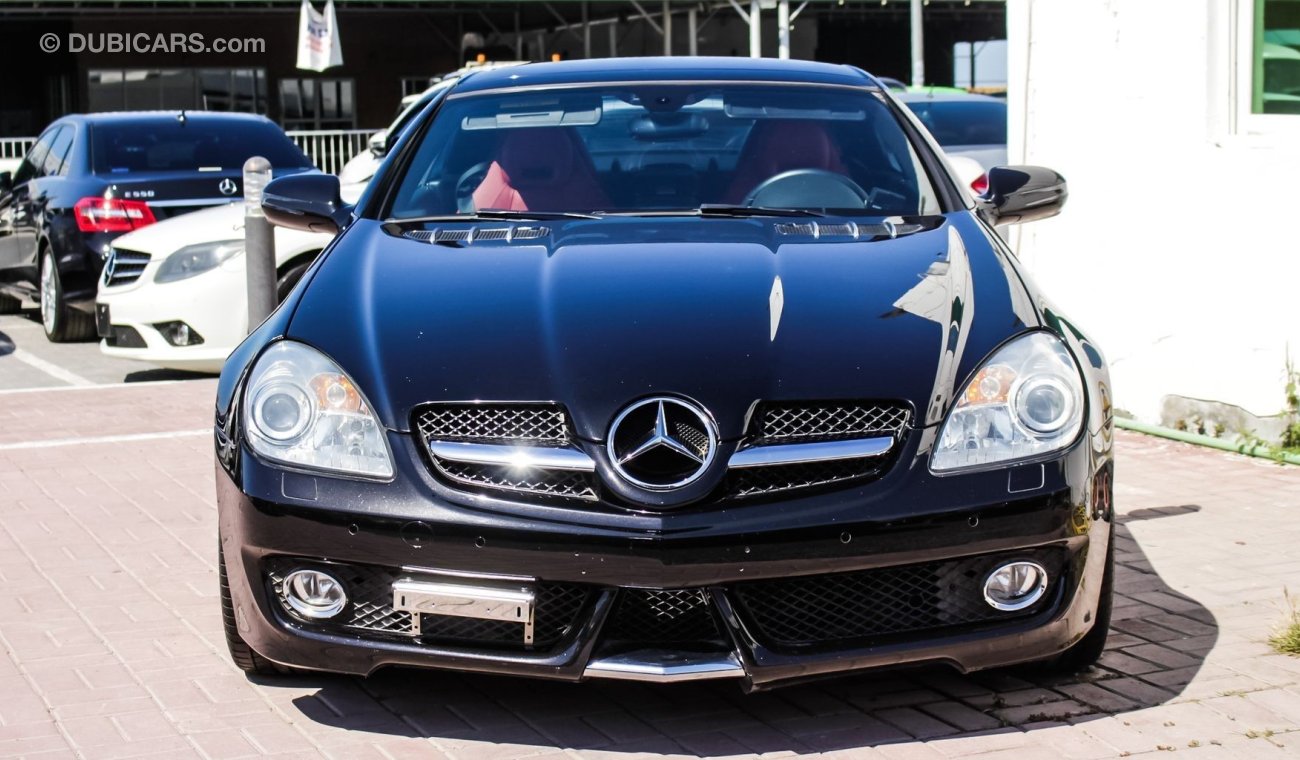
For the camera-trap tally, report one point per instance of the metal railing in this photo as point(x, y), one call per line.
point(328, 149)
point(15, 147)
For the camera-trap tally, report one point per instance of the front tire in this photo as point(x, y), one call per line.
point(245, 657)
point(62, 323)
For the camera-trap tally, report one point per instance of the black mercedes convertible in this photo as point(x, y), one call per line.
point(662, 370)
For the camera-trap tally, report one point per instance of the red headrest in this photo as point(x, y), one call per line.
point(537, 156)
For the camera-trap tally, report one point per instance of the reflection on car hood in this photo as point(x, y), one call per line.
point(598, 313)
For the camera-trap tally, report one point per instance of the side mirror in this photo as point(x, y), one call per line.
point(379, 144)
point(1023, 194)
point(307, 202)
point(6, 182)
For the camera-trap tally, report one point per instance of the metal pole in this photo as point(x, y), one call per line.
point(259, 243)
point(613, 40)
point(918, 45)
point(693, 28)
point(519, 40)
point(783, 29)
point(586, 32)
point(755, 30)
point(668, 29)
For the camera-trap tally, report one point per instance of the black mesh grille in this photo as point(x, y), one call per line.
point(371, 613)
point(786, 422)
point(755, 481)
point(662, 616)
point(864, 606)
point(539, 424)
point(563, 483)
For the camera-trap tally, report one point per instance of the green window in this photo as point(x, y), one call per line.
point(1275, 84)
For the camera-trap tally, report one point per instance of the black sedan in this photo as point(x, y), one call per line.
point(665, 369)
point(90, 178)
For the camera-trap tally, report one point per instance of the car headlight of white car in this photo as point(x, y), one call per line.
point(1025, 401)
point(301, 409)
point(196, 259)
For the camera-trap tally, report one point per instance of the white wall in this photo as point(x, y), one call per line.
point(1177, 250)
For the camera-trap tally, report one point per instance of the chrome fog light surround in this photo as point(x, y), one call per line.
point(314, 594)
point(1015, 585)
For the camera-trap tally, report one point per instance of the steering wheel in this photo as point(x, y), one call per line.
point(468, 183)
point(808, 188)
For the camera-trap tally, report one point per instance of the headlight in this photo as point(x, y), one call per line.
point(197, 259)
point(301, 409)
point(1025, 401)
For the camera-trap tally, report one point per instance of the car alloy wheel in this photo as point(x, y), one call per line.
point(49, 295)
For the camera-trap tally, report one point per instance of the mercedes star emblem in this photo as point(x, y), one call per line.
point(228, 186)
point(662, 443)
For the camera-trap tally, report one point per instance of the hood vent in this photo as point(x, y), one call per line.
point(889, 228)
point(458, 236)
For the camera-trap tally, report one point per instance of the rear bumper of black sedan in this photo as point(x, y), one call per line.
point(766, 607)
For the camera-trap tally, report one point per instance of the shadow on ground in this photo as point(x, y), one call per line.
point(1159, 640)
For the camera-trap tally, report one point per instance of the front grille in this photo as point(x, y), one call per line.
point(370, 610)
point(568, 484)
point(662, 616)
point(124, 266)
point(535, 424)
point(864, 607)
point(789, 422)
point(756, 481)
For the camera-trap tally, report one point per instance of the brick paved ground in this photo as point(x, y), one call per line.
point(112, 638)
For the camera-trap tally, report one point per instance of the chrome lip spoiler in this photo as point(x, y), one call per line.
point(663, 666)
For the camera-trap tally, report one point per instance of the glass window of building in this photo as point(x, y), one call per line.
point(317, 104)
point(1276, 76)
point(242, 90)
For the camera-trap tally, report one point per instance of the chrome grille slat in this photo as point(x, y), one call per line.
point(124, 266)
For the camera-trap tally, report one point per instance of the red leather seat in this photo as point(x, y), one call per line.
point(541, 169)
point(778, 146)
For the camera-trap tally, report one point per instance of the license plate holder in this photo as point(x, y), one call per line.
point(103, 320)
point(510, 604)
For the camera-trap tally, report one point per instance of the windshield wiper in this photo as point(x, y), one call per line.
point(489, 214)
point(720, 209)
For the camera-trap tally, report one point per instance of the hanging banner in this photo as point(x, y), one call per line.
point(318, 38)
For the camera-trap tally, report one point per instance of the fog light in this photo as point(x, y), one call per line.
point(179, 333)
point(1015, 586)
point(314, 594)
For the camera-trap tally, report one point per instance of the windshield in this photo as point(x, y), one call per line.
point(193, 145)
point(963, 122)
point(663, 148)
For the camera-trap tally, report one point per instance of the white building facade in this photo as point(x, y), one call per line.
point(1177, 125)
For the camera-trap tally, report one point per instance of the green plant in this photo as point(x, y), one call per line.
point(1291, 414)
point(1287, 638)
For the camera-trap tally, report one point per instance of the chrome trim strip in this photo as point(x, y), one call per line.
point(544, 457)
point(662, 666)
point(821, 451)
point(192, 201)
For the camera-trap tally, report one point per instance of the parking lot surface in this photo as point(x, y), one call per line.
point(111, 629)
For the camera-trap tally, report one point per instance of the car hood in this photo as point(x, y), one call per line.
point(599, 313)
point(224, 222)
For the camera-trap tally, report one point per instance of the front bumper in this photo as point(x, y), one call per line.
point(275, 517)
point(213, 304)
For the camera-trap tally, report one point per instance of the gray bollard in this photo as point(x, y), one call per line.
point(259, 243)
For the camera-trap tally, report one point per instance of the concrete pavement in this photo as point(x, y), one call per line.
point(112, 640)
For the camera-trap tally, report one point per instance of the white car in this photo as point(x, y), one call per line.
point(175, 293)
point(971, 129)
